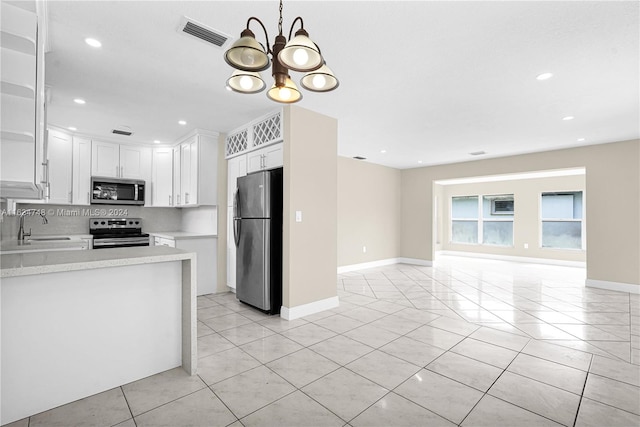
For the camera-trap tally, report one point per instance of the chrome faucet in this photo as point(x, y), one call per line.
point(21, 233)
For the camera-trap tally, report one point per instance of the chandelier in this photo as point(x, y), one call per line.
point(299, 53)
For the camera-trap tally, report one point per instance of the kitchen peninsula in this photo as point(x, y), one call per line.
point(76, 323)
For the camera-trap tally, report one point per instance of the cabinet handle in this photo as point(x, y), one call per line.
point(121, 171)
point(186, 198)
point(117, 172)
point(70, 196)
point(88, 198)
point(169, 199)
point(178, 204)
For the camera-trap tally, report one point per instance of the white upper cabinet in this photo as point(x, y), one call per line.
point(198, 171)
point(270, 157)
point(135, 162)
point(81, 171)
point(236, 167)
point(22, 104)
point(105, 159)
point(59, 160)
point(177, 196)
point(162, 177)
point(114, 160)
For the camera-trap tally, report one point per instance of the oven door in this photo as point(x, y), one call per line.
point(119, 242)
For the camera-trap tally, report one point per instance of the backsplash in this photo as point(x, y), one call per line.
point(66, 219)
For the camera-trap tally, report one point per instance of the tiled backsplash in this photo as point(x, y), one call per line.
point(65, 219)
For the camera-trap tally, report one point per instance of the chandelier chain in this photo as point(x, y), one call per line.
point(280, 20)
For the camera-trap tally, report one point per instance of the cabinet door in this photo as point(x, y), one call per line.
point(185, 173)
point(81, 171)
point(273, 156)
point(254, 161)
point(236, 167)
point(105, 159)
point(192, 196)
point(162, 177)
point(231, 251)
point(59, 155)
point(177, 195)
point(135, 162)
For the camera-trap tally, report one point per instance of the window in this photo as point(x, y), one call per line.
point(464, 219)
point(497, 220)
point(562, 220)
point(489, 223)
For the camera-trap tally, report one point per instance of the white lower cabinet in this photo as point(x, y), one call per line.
point(206, 262)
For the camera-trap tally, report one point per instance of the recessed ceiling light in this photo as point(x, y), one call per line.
point(80, 101)
point(568, 118)
point(182, 122)
point(156, 141)
point(420, 161)
point(478, 153)
point(544, 76)
point(383, 151)
point(72, 128)
point(92, 42)
point(580, 139)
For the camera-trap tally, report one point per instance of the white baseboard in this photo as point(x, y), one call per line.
point(578, 264)
point(383, 262)
point(415, 261)
point(613, 286)
point(290, 313)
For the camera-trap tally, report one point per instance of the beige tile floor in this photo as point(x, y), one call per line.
point(467, 342)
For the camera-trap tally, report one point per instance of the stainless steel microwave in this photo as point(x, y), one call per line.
point(117, 191)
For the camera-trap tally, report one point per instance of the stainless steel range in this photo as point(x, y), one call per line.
point(117, 232)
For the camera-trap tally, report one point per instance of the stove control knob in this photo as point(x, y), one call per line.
point(130, 222)
point(95, 222)
point(137, 222)
point(102, 222)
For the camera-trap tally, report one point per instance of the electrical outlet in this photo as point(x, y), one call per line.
point(298, 216)
point(364, 249)
point(526, 246)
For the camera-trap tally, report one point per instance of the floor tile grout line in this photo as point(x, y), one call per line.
point(128, 405)
point(584, 386)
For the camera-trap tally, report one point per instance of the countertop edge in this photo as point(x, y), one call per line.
point(181, 235)
point(19, 271)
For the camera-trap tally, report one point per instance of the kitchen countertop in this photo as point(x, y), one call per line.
point(31, 263)
point(180, 234)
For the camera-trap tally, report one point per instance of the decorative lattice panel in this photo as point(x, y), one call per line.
point(267, 130)
point(237, 142)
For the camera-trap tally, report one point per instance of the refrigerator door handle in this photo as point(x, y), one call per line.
point(236, 214)
point(236, 231)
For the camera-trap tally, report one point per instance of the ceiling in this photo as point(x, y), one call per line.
point(428, 82)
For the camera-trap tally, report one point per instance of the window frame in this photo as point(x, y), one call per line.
point(480, 220)
point(541, 220)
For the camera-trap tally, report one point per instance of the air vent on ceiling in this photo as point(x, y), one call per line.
point(125, 132)
point(360, 158)
point(202, 32)
point(478, 153)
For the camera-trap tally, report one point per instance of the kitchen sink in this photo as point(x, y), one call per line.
point(47, 239)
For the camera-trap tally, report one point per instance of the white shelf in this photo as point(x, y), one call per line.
point(18, 73)
point(16, 135)
point(19, 29)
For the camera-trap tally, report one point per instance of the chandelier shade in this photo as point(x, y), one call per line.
point(287, 94)
point(248, 57)
point(246, 82)
point(320, 80)
point(301, 54)
point(247, 54)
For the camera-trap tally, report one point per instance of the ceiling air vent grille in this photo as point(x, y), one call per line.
point(209, 35)
point(122, 132)
point(360, 158)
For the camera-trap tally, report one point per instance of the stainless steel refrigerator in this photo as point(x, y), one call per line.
point(257, 229)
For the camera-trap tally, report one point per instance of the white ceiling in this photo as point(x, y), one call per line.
point(425, 81)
